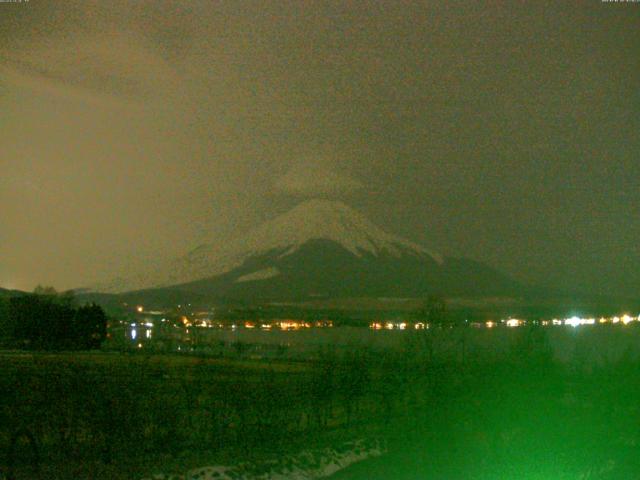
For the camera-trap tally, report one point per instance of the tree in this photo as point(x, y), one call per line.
point(322, 387)
point(6, 329)
point(90, 324)
point(45, 291)
point(353, 381)
point(434, 316)
point(434, 311)
point(48, 320)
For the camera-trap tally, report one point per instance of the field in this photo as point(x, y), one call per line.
point(106, 415)
point(525, 413)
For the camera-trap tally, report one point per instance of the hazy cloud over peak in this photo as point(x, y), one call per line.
point(314, 179)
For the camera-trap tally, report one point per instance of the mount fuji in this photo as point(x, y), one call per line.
point(319, 249)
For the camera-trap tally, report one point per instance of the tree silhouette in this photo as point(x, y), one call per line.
point(434, 311)
point(6, 330)
point(51, 321)
point(435, 317)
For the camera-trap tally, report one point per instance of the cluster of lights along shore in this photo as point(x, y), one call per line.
point(201, 320)
point(574, 321)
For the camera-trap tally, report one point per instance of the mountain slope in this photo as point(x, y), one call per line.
point(312, 220)
point(324, 269)
point(319, 249)
point(10, 293)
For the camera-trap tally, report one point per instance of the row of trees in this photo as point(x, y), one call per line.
point(130, 405)
point(50, 320)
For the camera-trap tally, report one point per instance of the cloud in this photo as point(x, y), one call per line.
point(109, 70)
point(316, 180)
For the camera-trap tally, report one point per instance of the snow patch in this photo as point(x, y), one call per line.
point(307, 465)
point(259, 275)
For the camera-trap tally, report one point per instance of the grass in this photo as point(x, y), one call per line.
point(105, 415)
point(520, 415)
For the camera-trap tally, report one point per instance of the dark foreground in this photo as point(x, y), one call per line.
point(519, 416)
point(560, 426)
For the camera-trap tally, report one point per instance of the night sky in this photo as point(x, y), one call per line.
point(508, 133)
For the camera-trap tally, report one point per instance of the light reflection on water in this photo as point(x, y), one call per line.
point(593, 344)
point(133, 332)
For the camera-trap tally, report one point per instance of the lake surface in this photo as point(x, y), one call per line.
point(586, 344)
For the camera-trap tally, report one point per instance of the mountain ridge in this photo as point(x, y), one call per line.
point(320, 249)
point(311, 220)
point(326, 253)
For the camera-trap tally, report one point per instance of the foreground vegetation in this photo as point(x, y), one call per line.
point(48, 320)
point(120, 414)
point(106, 415)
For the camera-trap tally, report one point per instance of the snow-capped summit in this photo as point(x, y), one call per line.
point(318, 249)
point(325, 220)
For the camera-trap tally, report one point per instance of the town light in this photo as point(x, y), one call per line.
point(626, 319)
point(513, 322)
point(573, 321)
